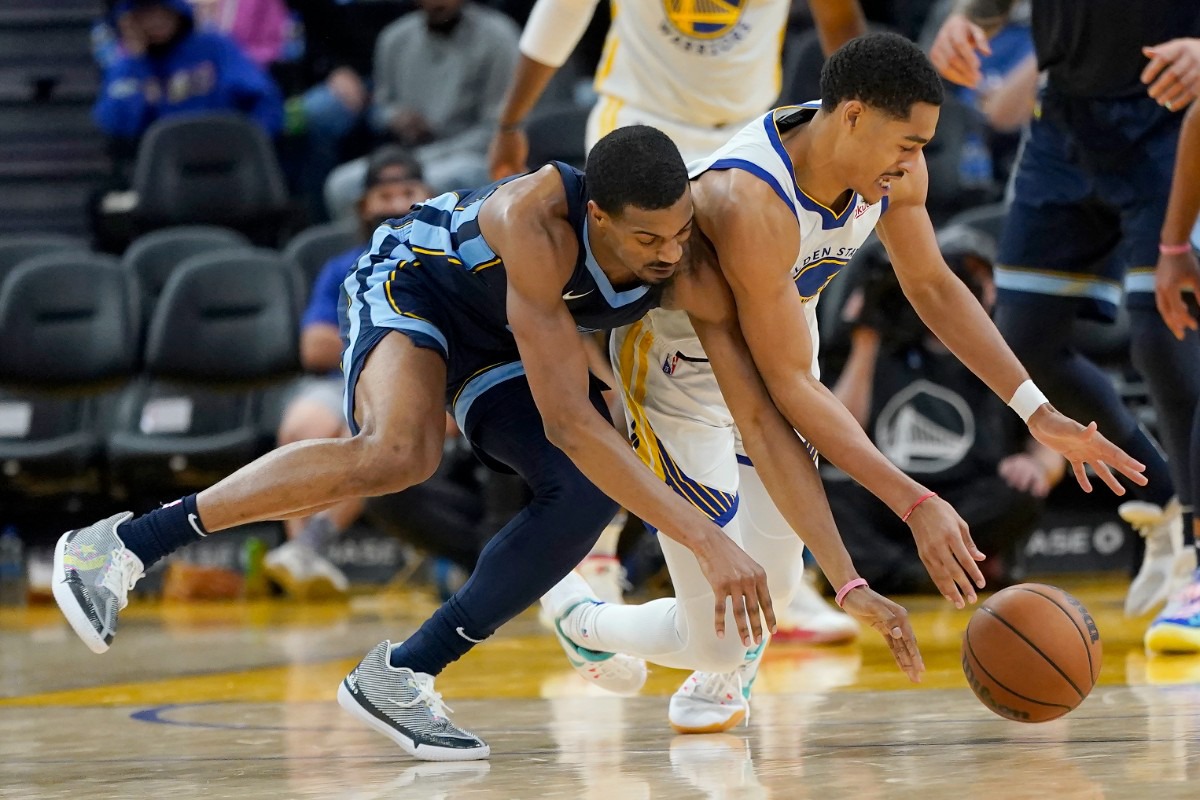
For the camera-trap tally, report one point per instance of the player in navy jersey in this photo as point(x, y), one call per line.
point(1082, 235)
point(474, 300)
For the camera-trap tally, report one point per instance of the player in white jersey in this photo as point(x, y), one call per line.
point(698, 70)
point(775, 207)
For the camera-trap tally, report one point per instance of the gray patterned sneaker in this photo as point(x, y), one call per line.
point(402, 705)
point(93, 573)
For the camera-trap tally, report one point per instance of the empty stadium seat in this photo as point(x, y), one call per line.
point(69, 322)
point(313, 247)
point(18, 247)
point(216, 169)
point(224, 330)
point(154, 256)
point(558, 134)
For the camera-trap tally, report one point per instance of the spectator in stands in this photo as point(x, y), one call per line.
point(468, 52)
point(261, 28)
point(937, 421)
point(166, 67)
point(392, 185)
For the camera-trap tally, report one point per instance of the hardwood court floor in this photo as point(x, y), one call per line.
point(236, 701)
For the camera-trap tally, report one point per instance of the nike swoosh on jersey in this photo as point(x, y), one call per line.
point(573, 296)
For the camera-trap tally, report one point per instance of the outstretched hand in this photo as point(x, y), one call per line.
point(891, 620)
point(946, 549)
point(735, 576)
point(1085, 446)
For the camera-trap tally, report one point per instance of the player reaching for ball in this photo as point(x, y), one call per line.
point(782, 208)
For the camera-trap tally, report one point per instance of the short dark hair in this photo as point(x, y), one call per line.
point(635, 166)
point(885, 71)
point(380, 162)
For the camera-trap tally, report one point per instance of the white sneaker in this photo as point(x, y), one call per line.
point(712, 702)
point(811, 619)
point(606, 577)
point(1162, 528)
point(569, 604)
point(93, 573)
point(304, 574)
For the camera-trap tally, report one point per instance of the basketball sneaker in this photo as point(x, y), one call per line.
point(93, 573)
point(402, 705)
point(810, 619)
point(712, 702)
point(572, 606)
point(303, 573)
point(1177, 627)
point(1162, 529)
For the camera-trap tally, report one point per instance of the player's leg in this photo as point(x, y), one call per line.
point(399, 407)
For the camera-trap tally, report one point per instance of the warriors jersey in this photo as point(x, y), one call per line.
point(705, 62)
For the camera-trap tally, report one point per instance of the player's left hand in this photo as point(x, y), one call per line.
point(891, 620)
point(1173, 275)
point(1173, 73)
point(1081, 446)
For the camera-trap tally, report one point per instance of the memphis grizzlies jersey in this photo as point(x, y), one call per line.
point(706, 62)
point(828, 238)
point(443, 235)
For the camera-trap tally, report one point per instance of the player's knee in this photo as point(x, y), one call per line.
point(383, 465)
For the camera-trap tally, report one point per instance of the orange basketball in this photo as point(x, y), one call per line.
point(1031, 652)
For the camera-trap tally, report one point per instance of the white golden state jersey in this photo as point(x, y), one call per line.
point(706, 62)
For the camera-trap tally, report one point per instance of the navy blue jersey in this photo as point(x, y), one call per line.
point(432, 276)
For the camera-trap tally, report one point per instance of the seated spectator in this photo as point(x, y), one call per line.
point(936, 421)
point(261, 28)
point(468, 52)
point(393, 184)
point(164, 67)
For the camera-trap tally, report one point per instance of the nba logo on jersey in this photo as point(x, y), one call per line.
point(669, 364)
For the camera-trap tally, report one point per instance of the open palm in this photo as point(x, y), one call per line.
point(1084, 446)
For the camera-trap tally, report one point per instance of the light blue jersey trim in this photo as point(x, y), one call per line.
point(480, 384)
point(614, 298)
point(1037, 283)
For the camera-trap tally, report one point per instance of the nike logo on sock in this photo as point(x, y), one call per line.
point(194, 521)
point(460, 632)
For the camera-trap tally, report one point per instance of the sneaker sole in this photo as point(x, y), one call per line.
point(69, 605)
point(1168, 637)
point(716, 727)
point(424, 752)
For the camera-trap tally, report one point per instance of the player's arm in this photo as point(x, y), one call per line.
point(837, 22)
point(553, 30)
point(526, 225)
point(756, 239)
point(948, 308)
point(780, 457)
point(1177, 268)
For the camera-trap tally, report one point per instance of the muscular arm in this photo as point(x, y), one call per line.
point(837, 21)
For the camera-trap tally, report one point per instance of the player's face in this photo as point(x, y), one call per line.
point(651, 243)
point(882, 149)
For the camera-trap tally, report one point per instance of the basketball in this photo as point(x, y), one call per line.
point(1031, 653)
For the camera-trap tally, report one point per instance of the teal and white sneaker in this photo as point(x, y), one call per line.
point(571, 605)
point(713, 702)
point(1176, 629)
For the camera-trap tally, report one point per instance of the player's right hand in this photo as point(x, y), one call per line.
point(508, 153)
point(955, 50)
point(891, 620)
point(1173, 275)
point(947, 550)
point(735, 576)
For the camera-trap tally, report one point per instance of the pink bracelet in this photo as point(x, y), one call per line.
point(913, 507)
point(845, 590)
point(1175, 249)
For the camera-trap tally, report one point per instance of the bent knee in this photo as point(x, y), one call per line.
point(384, 466)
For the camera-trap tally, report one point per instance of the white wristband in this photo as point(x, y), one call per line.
point(1027, 399)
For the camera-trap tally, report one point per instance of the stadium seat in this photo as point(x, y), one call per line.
point(215, 169)
point(16, 248)
point(153, 257)
point(558, 134)
point(313, 247)
point(69, 322)
point(224, 330)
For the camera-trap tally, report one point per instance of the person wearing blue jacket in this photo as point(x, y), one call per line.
point(167, 67)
